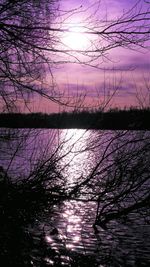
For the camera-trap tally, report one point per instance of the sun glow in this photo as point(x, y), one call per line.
point(76, 38)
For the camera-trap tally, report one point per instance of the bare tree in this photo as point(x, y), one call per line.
point(143, 93)
point(24, 40)
point(32, 42)
point(129, 30)
point(119, 178)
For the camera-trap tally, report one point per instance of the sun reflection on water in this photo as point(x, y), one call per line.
point(74, 165)
point(75, 155)
point(49, 261)
point(71, 216)
point(48, 239)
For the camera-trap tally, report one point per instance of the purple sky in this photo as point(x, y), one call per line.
point(126, 71)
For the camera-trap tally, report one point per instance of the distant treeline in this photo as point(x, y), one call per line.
point(137, 119)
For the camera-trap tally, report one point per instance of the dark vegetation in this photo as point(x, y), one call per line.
point(123, 189)
point(133, 119)
point(22, 204)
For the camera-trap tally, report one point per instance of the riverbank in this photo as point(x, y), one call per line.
point(133, 119)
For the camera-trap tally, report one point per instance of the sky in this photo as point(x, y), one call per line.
point(118, 79)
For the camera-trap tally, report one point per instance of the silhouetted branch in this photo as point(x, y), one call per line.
point(32, 43)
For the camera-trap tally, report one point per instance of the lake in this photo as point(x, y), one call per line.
point(104, 173)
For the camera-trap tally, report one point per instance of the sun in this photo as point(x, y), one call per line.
point(76, 39)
